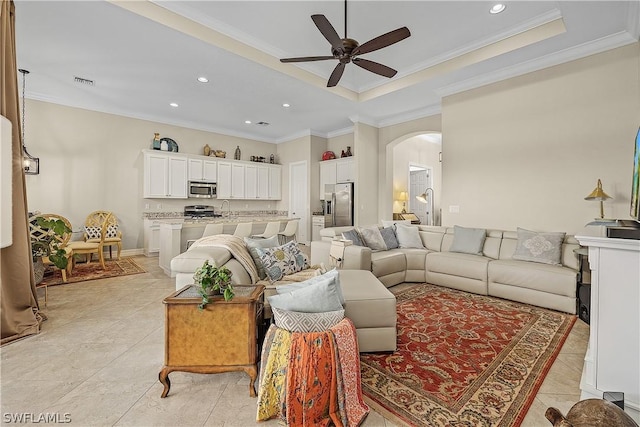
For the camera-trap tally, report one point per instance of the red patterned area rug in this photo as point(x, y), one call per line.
point(463, 359)
point(83, 272)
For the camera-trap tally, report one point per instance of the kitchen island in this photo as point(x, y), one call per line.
point(176, 232)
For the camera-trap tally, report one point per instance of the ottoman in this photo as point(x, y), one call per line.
point(372, 309)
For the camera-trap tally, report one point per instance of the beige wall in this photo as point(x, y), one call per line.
point(366, 195)
point(92, 161)
point(339, 143)
point(526, 151)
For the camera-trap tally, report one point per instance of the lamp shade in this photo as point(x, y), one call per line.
point(598, 194)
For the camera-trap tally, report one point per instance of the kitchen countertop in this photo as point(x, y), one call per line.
point(195, 222)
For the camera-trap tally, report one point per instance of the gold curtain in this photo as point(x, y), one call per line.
point(19, 311)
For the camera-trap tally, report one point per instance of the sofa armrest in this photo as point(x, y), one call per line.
point(355, 257)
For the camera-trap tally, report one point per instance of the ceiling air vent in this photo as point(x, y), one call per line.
point(83, 81)
point(262, 124)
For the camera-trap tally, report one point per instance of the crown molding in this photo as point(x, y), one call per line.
point(340, 132)
point(361, 118)
point(586, 49)
point(408, 116)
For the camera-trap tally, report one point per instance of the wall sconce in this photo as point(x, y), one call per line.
point(30, 163)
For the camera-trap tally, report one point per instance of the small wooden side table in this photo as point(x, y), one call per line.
point(221, 338)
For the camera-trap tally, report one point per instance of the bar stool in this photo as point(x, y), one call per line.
point(212, 229)
point(289, 232)
point(271, 230)
point(243, 229)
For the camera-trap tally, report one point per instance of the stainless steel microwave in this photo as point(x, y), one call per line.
point(205, 190)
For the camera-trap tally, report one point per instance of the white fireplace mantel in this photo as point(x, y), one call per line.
point(612, 361)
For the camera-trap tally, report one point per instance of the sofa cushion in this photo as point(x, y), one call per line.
point(390, 239)
point(544, 248)
point(191, 260)
point(252, 244)
point(416, 258)
point(372, 238)
point(468, 240)
point(369, 304)
point(408, 236)
point(387, 262)
point(354, 236)
point(282, 260)
point(457, 264)
point(552, 279)
point(316, 298)
point(296, 321)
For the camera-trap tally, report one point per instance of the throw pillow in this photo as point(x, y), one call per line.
point(372, 238)
point(545, 248)
point(316, 298)
point(296, 321)
point(468, 240)
point(282, 260)
point(389, 236)
point(353, 236)
point(386, 223)
point(408, 236)
point(331, 274)
point(252, 244)
point(93, 232)
point(112, 230)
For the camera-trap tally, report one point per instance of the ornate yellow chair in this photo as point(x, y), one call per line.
point(112, 235)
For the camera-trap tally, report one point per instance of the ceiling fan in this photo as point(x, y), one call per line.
point(347, 50)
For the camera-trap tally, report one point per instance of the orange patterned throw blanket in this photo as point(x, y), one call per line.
point(312, 378)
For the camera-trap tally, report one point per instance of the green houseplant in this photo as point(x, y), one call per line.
point(210, 280)
point(47, 242)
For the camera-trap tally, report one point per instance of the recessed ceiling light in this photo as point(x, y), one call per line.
point(173, 104)
point(497, 8)
point(248, 122)
point(203, 79)
point(285, 105)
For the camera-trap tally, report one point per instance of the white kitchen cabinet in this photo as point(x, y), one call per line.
point(345, 170)
point(275, 182)
point(251, 182)
point(237, 181)
point(151, 237)
point(327, 175)
point(165, 176)
point(317, 225)
point(224, 180)
point(262, 180)
point(336, 171)
point(203, 170)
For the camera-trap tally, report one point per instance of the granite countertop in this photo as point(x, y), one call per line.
point(193, 222)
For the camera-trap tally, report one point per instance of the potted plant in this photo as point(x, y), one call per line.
point(210, 280)
point(48, 244)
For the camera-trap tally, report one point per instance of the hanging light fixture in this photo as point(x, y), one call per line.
point(31, 164)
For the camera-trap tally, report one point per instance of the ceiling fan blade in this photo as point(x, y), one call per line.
point(375, 67)
point(335, 76)
point(382, 41)
point(306, 59)
point(328, 31)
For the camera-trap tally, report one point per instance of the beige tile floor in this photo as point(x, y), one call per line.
point(98, 356)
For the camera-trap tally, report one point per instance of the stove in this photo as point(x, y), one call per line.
point(200, 211)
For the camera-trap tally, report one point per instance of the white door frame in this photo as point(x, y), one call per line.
point(301, 193)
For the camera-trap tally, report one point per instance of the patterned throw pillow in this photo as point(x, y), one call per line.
point(93, 232)
point(112, 230)
point(282, 260)
point(252, 244)
point(296, 321)
point(545, 248)
point(354, 237)
point(372, 238)
point(389, 236)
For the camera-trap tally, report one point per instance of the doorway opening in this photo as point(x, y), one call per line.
point(420, 179)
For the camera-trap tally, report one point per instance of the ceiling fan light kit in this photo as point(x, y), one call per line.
point(346, 50)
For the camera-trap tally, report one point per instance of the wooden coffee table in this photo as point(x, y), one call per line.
point(221, 338)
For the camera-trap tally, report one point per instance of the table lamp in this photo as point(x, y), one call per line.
point(403, 198)
point(599, 195)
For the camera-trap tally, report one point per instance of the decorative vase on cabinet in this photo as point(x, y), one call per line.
point(236, 155)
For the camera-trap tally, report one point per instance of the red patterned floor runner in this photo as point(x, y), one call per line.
point(463, 359)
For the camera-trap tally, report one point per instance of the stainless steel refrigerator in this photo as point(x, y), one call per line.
point(338, 204)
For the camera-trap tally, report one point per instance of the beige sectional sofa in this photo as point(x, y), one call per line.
point(493, 273)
